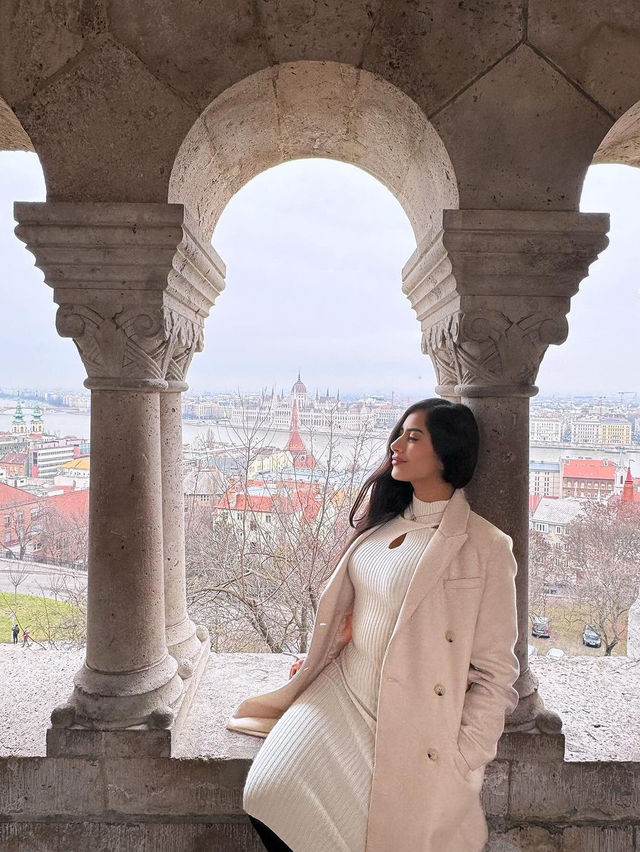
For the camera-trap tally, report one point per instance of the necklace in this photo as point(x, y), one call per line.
point(414, 517)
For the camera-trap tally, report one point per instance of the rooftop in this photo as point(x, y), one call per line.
point(553, 511)
point(589, 469)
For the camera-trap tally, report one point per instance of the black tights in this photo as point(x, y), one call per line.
point(271, 841)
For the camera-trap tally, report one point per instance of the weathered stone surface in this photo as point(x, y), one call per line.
point(494, 167)
point(49, 36)
point(312, 109)
point(38, 786)
point(495, 789)
point(434, 50)
point(587, 838)
point(197, 49)
point(12, 134)
point(622, 142)
point(532, 748)
point(126, 128)
point(314, 29)
point(130, 837)
point(529, 839)
point(574, 791)
point(596, 44)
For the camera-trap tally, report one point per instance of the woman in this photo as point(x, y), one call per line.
point(380, 739)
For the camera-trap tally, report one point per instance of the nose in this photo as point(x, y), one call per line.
point(395, 445)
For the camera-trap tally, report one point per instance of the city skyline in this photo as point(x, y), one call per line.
point(315, 249)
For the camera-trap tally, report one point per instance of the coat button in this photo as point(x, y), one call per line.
point(449, 635)
point(432, 754)
point(439, 689)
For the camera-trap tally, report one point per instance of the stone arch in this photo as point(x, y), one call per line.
point(314, 109)
point(622, 142)
point(13, 136)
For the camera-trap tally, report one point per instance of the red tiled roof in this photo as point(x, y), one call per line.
point(13, 458)
point(73, 503)
point(10, 496)
point(534, 499)
point(588, 469)
point(301, 498)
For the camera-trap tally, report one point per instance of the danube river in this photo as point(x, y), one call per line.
point(66, 423)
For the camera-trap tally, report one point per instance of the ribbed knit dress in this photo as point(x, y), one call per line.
point(311, 780)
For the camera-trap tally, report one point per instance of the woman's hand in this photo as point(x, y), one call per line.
point(297, 665)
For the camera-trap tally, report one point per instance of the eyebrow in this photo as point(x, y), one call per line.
point(413, 429)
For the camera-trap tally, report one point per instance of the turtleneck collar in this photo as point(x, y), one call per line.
point(425, 510)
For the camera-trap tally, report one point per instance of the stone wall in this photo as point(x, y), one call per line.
point(534, 802)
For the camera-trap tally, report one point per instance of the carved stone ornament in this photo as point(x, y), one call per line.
point(489, 348)
point(135, 347)
point(134, 282)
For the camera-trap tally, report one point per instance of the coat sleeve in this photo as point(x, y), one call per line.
point(494, 666)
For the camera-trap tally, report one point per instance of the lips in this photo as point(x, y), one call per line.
point(396, 460)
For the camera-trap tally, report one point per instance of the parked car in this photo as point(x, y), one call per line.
point(591, 637)
point(540, 627)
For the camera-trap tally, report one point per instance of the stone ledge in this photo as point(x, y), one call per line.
point(591, 694)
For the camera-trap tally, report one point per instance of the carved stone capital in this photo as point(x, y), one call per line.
point(489, 349)
point(134, 283)
point(492, 291)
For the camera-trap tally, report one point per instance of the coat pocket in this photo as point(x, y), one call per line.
point(463, 583)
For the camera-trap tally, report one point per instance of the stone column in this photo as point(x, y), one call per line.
point(492, 290)
point(133, 284)
point(187, 643)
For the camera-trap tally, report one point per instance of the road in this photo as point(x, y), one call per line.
point(35, 578)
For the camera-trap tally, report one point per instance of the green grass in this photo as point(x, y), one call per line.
point(44, 618)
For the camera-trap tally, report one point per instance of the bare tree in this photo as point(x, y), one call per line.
point(18, 573)
point(540, 572)
point(65, 537)
point(603, 547)
point(255, 571)
point(24, 523)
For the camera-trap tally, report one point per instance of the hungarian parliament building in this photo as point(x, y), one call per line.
point(313, 412)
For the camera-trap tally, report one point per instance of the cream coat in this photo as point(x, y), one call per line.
point(446, 683)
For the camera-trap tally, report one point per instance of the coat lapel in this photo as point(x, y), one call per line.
point(438, 554)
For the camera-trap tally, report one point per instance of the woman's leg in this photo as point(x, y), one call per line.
point(271, 841)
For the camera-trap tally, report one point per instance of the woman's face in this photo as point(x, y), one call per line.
point(413, 458)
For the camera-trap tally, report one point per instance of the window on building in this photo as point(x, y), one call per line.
point(558, 529)
point(7, 537)
point(34, 513)
point(7, 520)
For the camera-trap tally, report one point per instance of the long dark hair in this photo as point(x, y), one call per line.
point(454, 435)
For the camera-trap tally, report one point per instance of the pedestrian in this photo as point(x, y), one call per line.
point(15, 630)
point(25, 638)
point(380, 739)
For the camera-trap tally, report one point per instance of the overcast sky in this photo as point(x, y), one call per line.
point(314, 251)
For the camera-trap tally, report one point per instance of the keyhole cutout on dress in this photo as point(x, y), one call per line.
point(397, 541)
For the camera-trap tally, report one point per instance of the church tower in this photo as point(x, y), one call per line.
point(37, 423)
point(18, 426)
point(295, 445)
point(627, 491)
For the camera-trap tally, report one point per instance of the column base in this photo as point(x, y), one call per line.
point(531, 716)
point(185, 642)
point(85, 743)
point(198, 663)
